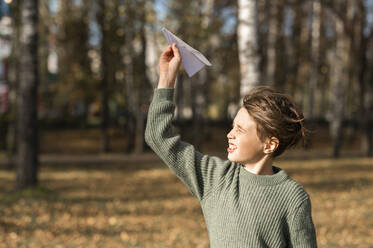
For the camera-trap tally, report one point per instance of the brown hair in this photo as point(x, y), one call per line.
point(276, 115)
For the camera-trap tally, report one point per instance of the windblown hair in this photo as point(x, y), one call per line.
point(276, 115)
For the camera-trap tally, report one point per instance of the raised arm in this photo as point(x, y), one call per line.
point(200, 173)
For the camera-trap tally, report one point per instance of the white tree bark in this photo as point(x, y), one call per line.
point(315, 46)
point(248, 45)
point(207, 9)
point(339, 85)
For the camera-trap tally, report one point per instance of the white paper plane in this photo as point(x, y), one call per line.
point(192, 60)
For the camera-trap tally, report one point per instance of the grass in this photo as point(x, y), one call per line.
point(142, 204)
point(145, 205)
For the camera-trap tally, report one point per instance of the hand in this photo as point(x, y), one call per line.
point(169, 64)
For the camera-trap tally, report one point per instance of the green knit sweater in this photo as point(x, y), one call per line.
point(241, 209)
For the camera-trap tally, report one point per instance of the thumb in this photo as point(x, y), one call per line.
point(176, 51)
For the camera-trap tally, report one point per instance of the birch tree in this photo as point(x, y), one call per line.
point(247, 36)
point(339, 81)
point(27, 164)
point(315, 46)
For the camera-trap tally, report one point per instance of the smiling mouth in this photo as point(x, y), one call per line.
point(231, 148)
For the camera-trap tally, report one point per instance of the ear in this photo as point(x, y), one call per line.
point(271, 145)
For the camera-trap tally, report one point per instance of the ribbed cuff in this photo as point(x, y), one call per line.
point(164, 94)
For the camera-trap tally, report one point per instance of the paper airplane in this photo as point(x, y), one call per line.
point(192, 60)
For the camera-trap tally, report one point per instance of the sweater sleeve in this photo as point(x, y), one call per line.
point(302, 230)
point(200, 173)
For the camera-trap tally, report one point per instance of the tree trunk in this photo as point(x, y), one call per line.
point(27, 164)
point(314, 56)
point(366, 100)
point(13, 79)
point(105, 77)
point(365, 83)
point(272, 39)
point(200, 87)
point(248, 45)
point(130, 92)
point(199, 108)
point(296, 46)
point(339, 88)
point(143, 85)
point(179, 97)
point(366, 105)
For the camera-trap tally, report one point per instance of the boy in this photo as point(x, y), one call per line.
point(246, 201)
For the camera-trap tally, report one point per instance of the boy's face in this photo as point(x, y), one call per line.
point(244, 143)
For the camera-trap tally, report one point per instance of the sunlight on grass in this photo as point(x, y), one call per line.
point(133, 205)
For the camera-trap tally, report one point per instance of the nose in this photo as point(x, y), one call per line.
point(230, 135)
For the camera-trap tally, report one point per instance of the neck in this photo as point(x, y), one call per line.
point(261, 167)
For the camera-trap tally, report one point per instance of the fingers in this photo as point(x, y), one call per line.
point(171, 52)
point(176, 51)
point(166, 52)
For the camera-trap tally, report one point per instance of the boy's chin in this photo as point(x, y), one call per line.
point(232, 158)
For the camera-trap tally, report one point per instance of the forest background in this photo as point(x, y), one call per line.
point(77, 77)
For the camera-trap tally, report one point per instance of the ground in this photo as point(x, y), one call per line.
point(142, 204)
point(135, 201)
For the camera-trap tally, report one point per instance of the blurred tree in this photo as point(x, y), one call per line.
point(75, 82)
point(275, 31)
point(365, 83)
point(138, 85)
point(213, 32)
point(314, 56)
point(366, 96)
point(338, 88)
point(144, 85)
point(109, 14)
point(14, 78)
point(341, 71)
point(349, 75)
point(191, 91)
point(298, 56)
point(104, 17)
point(27, 164)
point(317, 51)
point(44, 36)
point(248, 45)
point(200, 90)
point(130, 83)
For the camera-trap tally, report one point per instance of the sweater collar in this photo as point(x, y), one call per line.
point(279, 176)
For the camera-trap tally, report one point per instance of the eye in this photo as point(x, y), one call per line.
point(237, 127)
